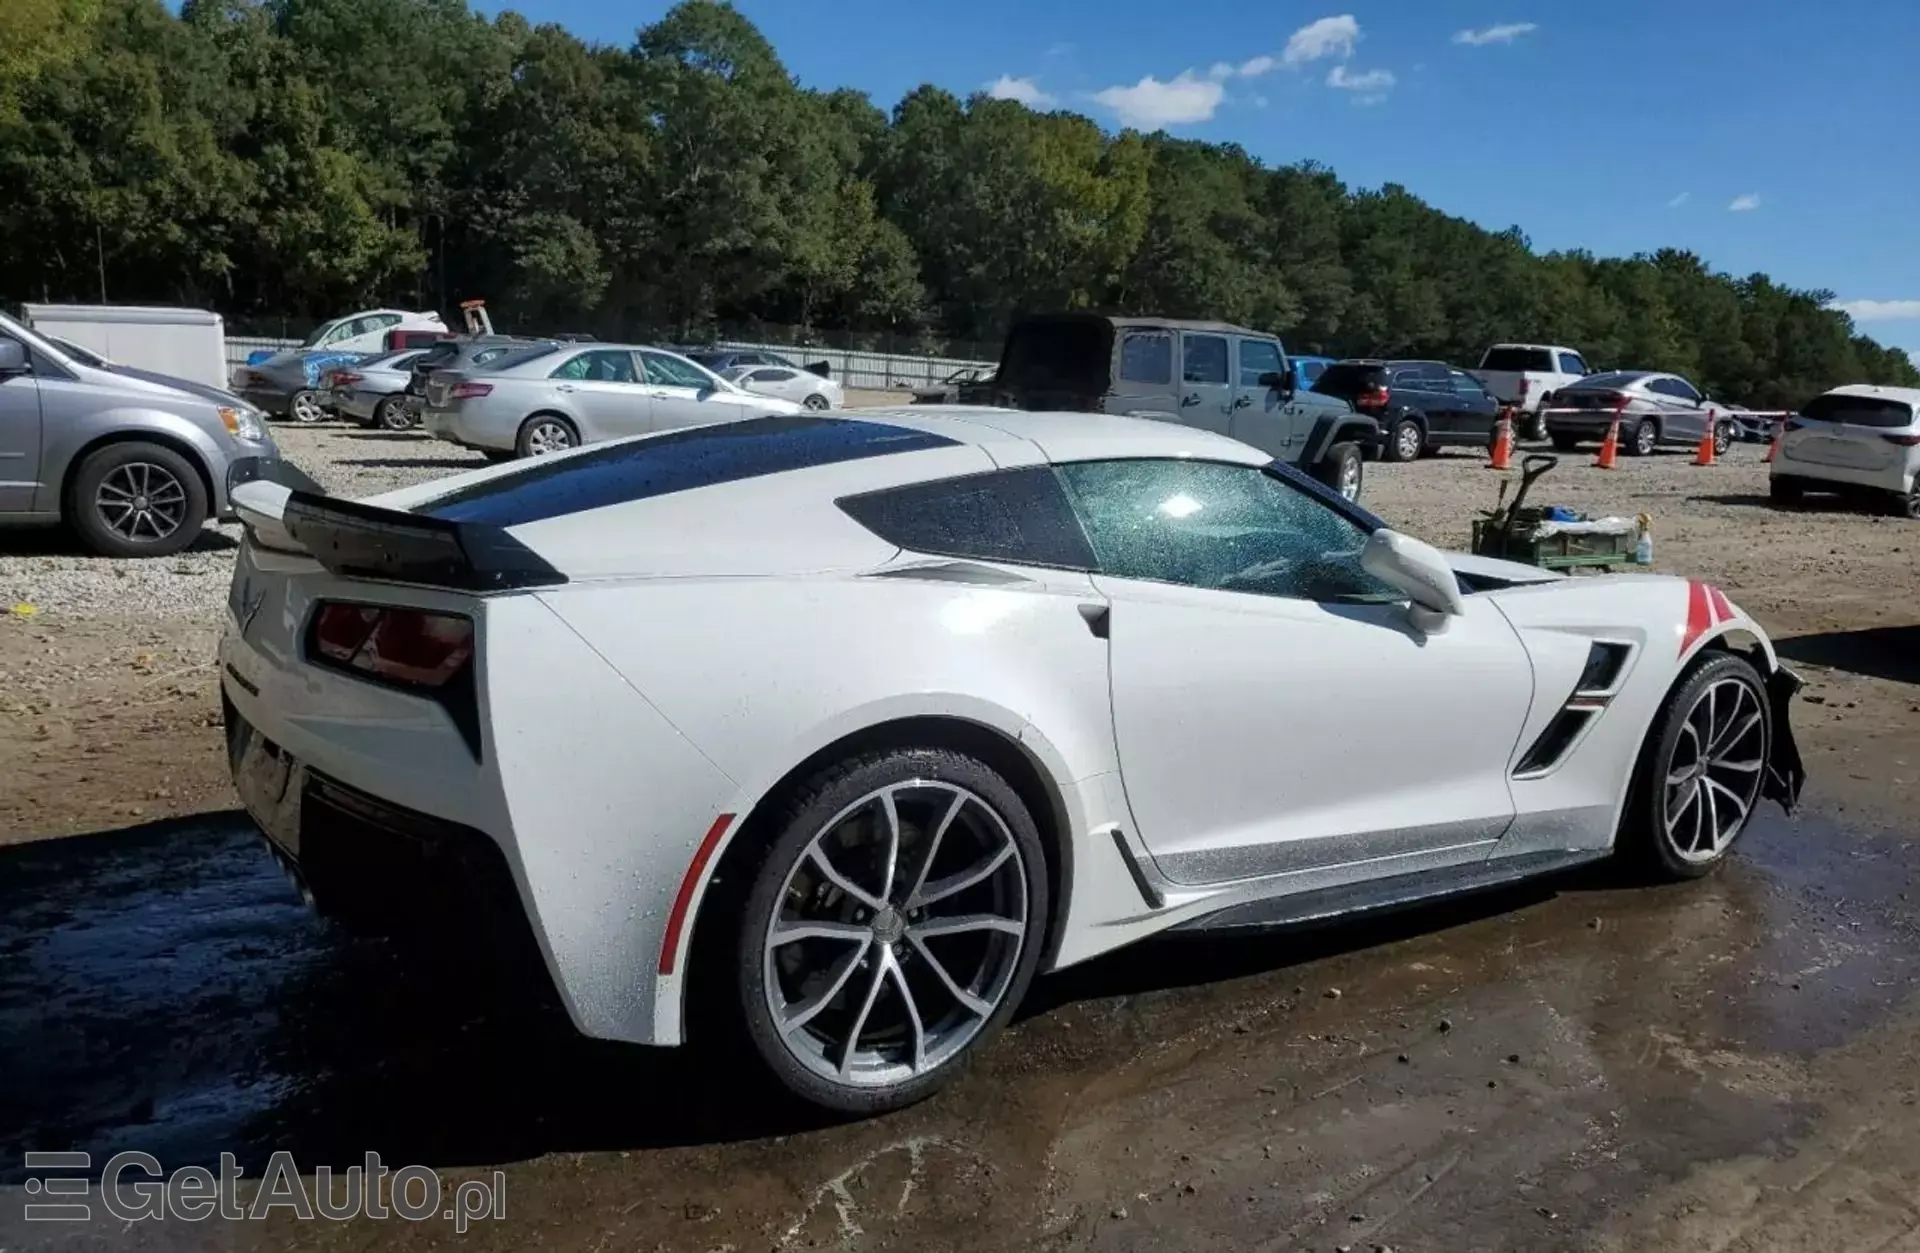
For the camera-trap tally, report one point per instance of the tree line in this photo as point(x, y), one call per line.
point(307, 157)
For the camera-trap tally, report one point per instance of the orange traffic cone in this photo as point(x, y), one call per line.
point(1773, 447)
point(1610, 446)
point(1704, 455)
point(1502, 443)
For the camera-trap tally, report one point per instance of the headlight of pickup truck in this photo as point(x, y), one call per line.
point(243, 424)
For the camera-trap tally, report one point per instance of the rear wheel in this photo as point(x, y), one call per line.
point(136, 499)
point(392, 414)
point(1722, 438)
point(1405, 440)
point(1700, 773)
point(817, 402)
point(1906, 504)
point(304, 407)
point(892, 926)
point(545, 433)
point(1341, 469)
point(1646, 437)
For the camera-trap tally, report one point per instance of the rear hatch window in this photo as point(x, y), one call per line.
point(1519, 360)
point(1859, 411)
point(1065, 355)
point(1347, 380)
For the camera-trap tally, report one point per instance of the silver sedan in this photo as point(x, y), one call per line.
point(1653, 408)
point(371, 392)
point(551, 397)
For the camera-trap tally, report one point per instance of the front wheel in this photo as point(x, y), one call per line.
point(1700, 772)
point(1722, 438)
point(545, 433)
point(136, 499)
point(1646, 437)
point(392, 414)
point(1342, 470)
point(892, 926)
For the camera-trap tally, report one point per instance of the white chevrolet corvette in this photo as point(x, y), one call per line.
point(838, 730)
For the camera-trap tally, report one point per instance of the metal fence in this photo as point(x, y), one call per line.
point(883, 371)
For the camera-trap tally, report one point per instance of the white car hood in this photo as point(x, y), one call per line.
point(1505, 571)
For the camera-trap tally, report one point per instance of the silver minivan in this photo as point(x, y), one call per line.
point(134, 462)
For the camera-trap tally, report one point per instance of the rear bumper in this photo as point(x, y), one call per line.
point(1588, 426)
point(1897, 477)
point(457, 427)
point(266, 399)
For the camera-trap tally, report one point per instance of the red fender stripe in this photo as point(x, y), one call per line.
point(683, 900)
point(1722, 609)
point(1699, 615)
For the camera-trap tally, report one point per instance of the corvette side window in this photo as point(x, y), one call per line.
point(1231, 528)
point(1019, 516)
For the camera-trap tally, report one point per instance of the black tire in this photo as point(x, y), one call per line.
point(817, 403)
point(790, 836)
point(1644, 839)
point(545, 433)
point(1405, 440)
point(1565, 442)
point(1643, 439)
point(1786, 492)
point(175, 500)
point(1722, 438)
point(1533, 425)
point(1342, 469)
point(304, 407)
point(1905, 504)
point(391, 414)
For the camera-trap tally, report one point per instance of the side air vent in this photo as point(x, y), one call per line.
point(1555, 741)
point(1605, 661)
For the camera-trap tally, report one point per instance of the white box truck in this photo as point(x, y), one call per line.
point(185, 343)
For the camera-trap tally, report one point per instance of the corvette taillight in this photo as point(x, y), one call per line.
point(410, 647)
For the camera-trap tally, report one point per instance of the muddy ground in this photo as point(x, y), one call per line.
point(1583, 1064)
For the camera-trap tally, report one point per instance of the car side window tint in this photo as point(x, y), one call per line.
point(576, 367)
point(665, 371)
point(1259, 357)
point(1147, 357)
point(772, 376)
point(1572, 364)
point(1466, 385)
point(1018, 516)
point(1231, 528)
point(1204, 358)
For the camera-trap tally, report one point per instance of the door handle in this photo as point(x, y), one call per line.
point(1190, 400)
point(1241, 402)
point(1098, 618)
point(564, 387)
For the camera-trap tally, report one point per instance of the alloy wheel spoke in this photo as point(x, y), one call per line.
point(798, 1016)
point(1738, 732)
point(1712, 821)
point(841, 881)
point(1749, 766)
point(1733, 798)
point(794, 932)
point(941, 889)
point(891, 814)
point(933, 848)
point(866, 1009)
point(899, 976)
point(123, 493)
point(980, 1007)
point(964, 924)
point(1676, 812)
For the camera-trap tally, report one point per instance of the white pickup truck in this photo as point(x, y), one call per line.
point(1527, 375)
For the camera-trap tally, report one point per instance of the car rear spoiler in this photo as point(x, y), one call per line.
point(823, 368)
point(285, 510)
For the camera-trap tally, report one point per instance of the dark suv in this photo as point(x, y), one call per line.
point(1420, 405)
point(1210, 375)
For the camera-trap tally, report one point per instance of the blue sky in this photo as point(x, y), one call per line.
point(1771, 135)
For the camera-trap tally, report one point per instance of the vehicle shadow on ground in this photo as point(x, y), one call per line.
point(405, 463)
point(1875, 652)
point(163, 987)
point(58, 541)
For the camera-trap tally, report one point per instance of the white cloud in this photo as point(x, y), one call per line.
point(1745, 204)
point(1878, 310)
point(1328, 37)
point(1151, 104)
point(1025, 90)
point(1505, 33)
point(1221, 70)
point(1679, 200)
point(1374, 81)
point(1257, 66)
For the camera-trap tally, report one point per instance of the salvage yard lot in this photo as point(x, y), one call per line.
point(112, 702)
point(1589, 1065)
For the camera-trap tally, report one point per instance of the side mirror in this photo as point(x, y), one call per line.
point(1278, 380)
point(1421, 572)
point(13, 357)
